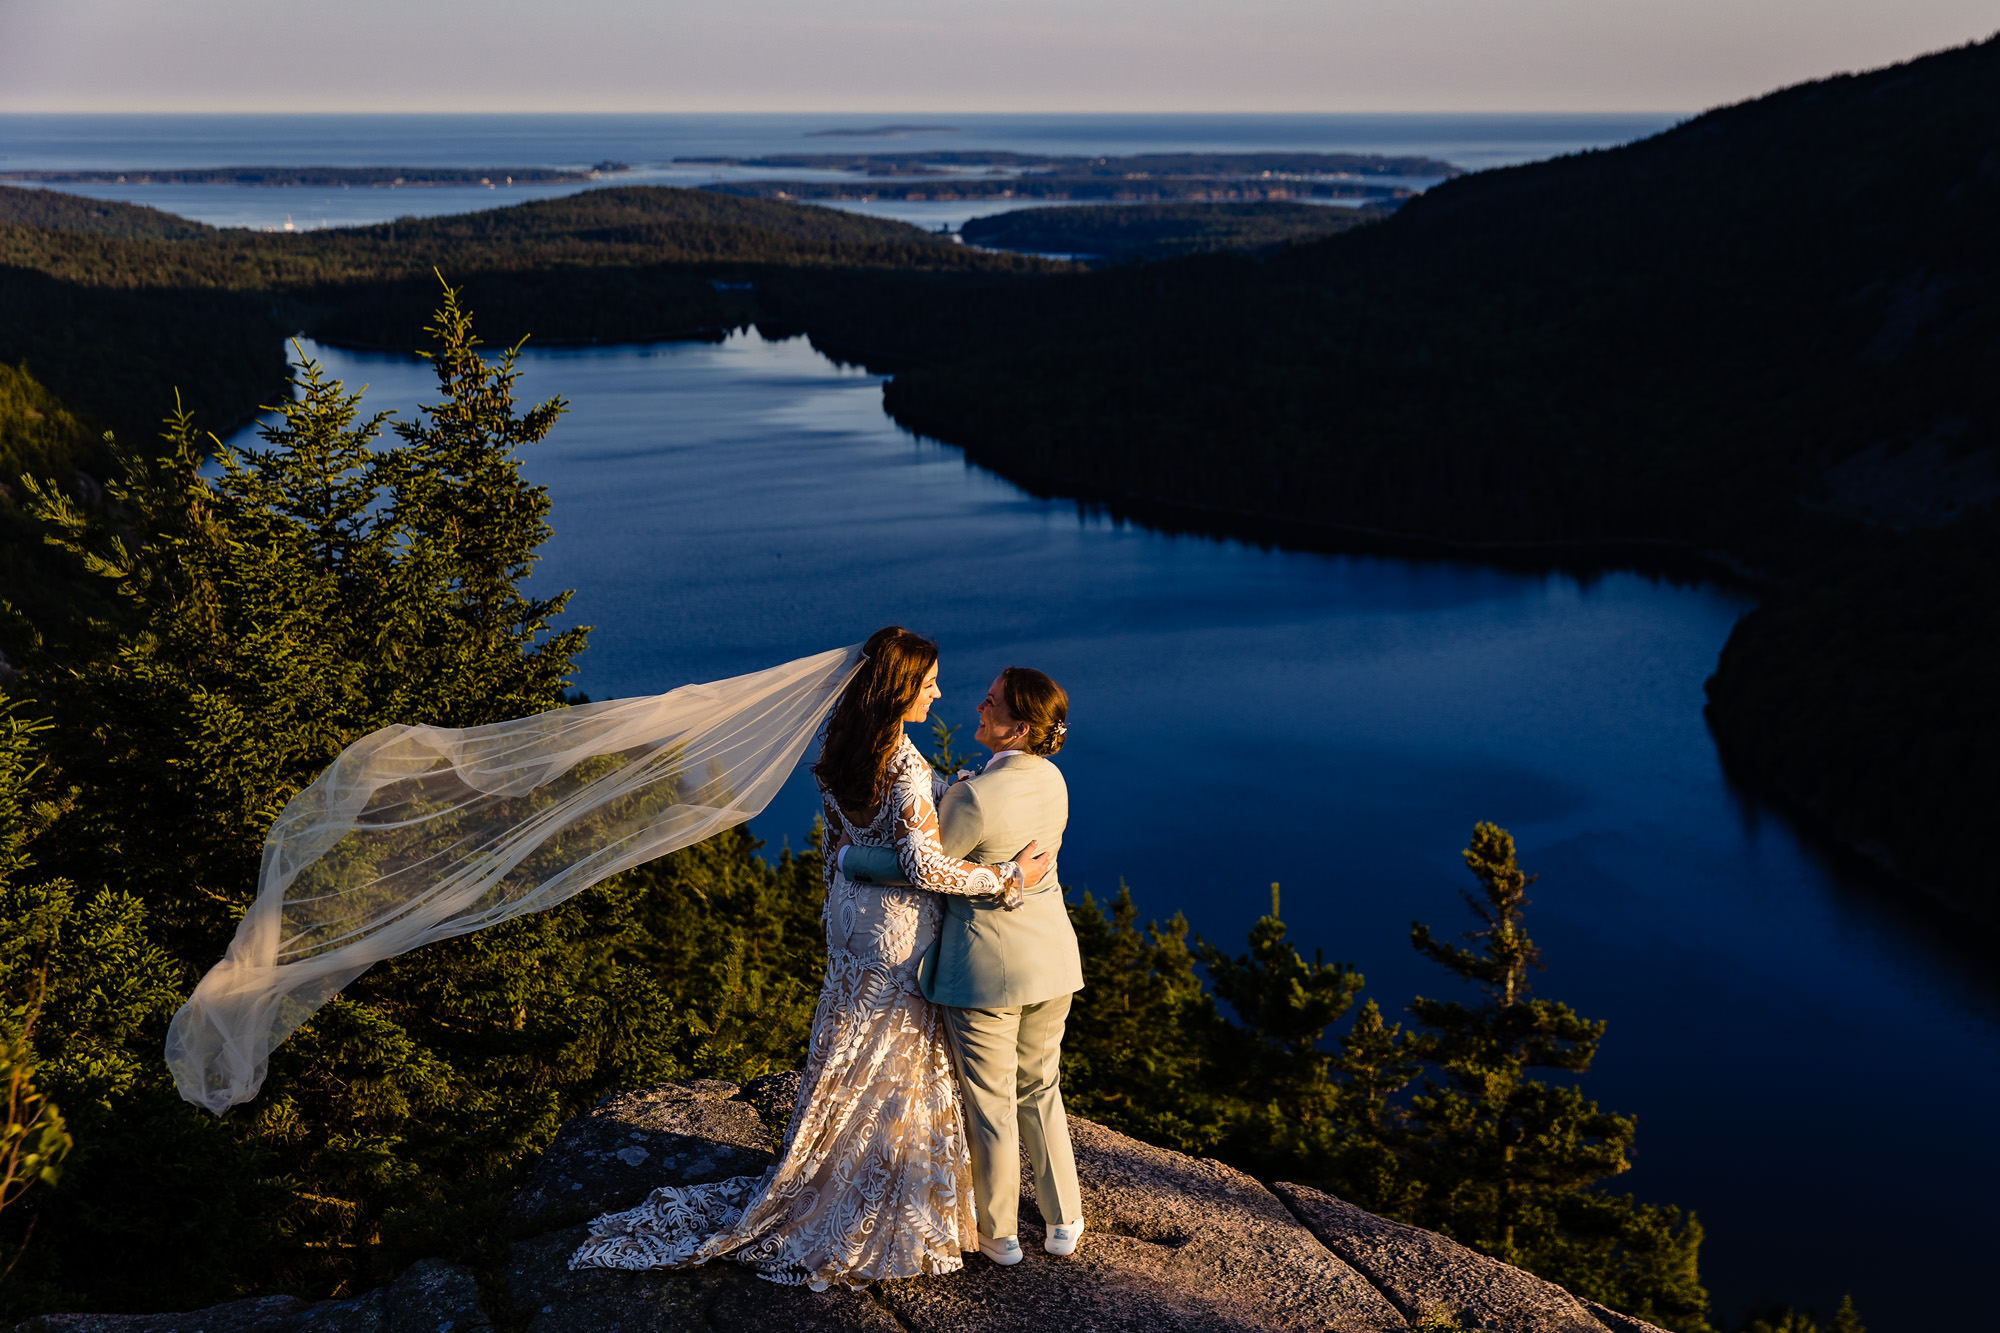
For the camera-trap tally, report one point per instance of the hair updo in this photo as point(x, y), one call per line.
point(867, 723)
point(1039, 703)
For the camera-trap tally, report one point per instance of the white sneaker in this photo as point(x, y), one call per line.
point(1005, 1251)
point(1063, 1236)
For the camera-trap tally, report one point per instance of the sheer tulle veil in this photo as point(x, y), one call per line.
point(418, 833)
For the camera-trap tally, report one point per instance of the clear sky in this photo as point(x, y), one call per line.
point(948, 55)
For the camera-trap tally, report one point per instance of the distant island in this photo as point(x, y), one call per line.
point(881, 132)
point(281, 177)
point(1727, 343)
point(1307, 165)
point(1156, 177)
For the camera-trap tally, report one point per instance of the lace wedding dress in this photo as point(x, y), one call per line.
point(873, 1179)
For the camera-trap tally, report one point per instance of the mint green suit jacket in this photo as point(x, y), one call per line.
point(987, 957)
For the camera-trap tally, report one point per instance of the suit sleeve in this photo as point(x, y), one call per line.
point(961, 824)
point(873, 865)
point(916, 831)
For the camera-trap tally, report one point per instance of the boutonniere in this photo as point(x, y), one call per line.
point(962, 775)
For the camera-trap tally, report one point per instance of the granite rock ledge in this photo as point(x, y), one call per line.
point(1175, 1243)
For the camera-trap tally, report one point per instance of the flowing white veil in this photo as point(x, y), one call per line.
point(420, 833)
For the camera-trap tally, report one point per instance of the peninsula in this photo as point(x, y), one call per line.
point(283, 177)
point(1234, 177)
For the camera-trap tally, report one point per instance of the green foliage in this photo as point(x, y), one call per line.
point(1505, 1162)
point(1285, 1004)
point(626, 227)
point(115, 305)
point(1439, 1318)
point(38, 434)
point(946, 757)
point(1785, 1319)
point(59, 210)
point(1278, 995)
point(261, 613)
point(1139, 1052)
point(33, 1137)
point(1482, 1152)
point(33, 1140)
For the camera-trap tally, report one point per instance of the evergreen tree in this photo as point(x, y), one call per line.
point(1280, 1072)
point(1139, 1050)
point(1373, 1063)
point(736, 944)
point(33, 1138)
point(472, 525)
point(1285, 1000)
point(303, 593)
point(80, 981)
point(1505, 1162)
point(1785, 1319)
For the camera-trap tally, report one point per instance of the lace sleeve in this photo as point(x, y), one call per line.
point(829, 860)
point(922, 858)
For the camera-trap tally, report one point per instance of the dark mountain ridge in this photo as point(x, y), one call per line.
point(1137, 233)
point(1771, 335)
point(1682, 342)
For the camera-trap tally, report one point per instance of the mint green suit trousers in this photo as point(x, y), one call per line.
point(1007, 1071)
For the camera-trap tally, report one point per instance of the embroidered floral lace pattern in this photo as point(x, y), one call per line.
point(873, 1179)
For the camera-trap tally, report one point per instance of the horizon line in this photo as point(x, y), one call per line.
point(488, 111)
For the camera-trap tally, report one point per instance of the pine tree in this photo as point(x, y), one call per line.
point(1505, 1162)
point(1786, 1319)
point(1139, 1049)
point(473, 525)
point(1373, 1063)
point(1292, 1123)
point(79, 980)
point(266, 612)
point(1282, 998)
point(33, 1137)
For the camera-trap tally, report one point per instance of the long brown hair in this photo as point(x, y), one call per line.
point(867, 722)
point(1043, 705)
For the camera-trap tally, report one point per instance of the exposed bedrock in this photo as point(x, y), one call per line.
point(1174, 1243)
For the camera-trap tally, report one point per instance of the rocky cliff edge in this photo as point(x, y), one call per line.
point(1174, 1243)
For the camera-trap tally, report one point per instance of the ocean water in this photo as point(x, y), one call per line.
point(1807, 1057)
point(650, 143)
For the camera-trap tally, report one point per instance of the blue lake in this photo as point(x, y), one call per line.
point(1812, 1063)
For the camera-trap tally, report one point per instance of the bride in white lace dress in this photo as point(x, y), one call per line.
point(873, 1179)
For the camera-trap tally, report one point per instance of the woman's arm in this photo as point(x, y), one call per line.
point(829, 844)
point(961, 827)
point(923, 860)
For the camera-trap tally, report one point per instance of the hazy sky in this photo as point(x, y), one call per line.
point(948, 55)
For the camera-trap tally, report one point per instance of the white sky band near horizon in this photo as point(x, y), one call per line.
point(949, 55)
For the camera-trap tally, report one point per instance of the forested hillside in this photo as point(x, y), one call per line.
point(114, 306)
point(1136, 233)
point(240, 619)
point(1772, 333)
